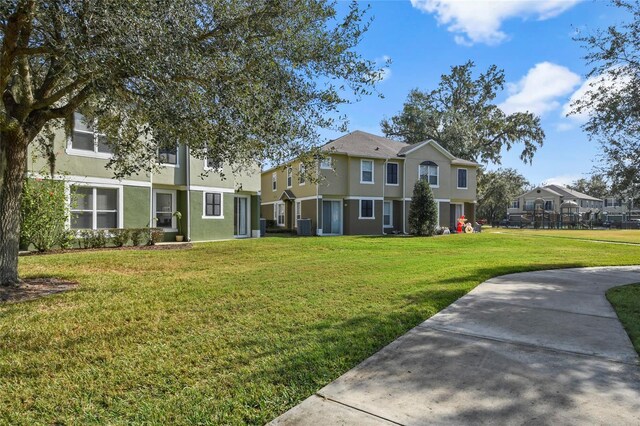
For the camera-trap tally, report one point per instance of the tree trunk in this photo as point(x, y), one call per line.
point(14, 146)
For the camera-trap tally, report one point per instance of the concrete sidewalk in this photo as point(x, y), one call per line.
point(531, 348)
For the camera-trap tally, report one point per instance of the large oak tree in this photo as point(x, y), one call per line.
point(236, 81)
point(612, 99)
point(461, 115)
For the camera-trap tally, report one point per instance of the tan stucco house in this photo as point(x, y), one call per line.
point(365, 184)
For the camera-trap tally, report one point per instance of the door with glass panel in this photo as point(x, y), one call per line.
point(331, 217)
point(165, 206)
point(241, 217)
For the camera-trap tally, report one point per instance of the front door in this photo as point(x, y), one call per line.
point(241, 217)
point(456, 210)
point(331, 218)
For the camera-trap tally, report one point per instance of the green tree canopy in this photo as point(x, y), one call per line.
point(612, 101)
point(596, 186)
point(496, 190)
point(238, 82)
point(460, 114)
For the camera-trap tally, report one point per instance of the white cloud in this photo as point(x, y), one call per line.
point(540, 89)
point(480, 21)
point(563, 180)
point(384, 73)
point(605, 81)
point(564, 126)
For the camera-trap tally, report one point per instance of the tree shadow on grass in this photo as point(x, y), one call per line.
point(521, 388)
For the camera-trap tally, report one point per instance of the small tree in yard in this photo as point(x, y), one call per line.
point(423, 211)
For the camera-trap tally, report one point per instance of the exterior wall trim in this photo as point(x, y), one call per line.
point(93, 180)
point(212, 189)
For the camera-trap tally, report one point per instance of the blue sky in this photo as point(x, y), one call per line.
point(530, 40)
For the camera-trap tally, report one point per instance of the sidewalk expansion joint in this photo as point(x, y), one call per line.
point(319, 395)
point(528, 345)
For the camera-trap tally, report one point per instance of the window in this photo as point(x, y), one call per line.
point(94, 208)
point(366, 209)
point(392, 173)
point(387, 214)
point(326, 163)
point(548, 205)
point(274, 181)
point(515, 204)
point(279, 214)
point(462, 178)
point(168, 155)
point(301, 175)
point(429, 170)
point(298, 211)
point(366, 171)
point(164, 205)
point(289, 177)
point(212, 205)
point(528, 205)
point(86, 138)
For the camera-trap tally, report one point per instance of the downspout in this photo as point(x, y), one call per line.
point(404, 202)
point(384, 183)
point(318, 206)
point(188, 172)
point(151, 200)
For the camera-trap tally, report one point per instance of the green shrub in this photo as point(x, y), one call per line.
point(155, 236)
point(85, 237)
point(44, 213)
point(99, 239)
point(120, 237)
point(67, 239)
point(137, 236)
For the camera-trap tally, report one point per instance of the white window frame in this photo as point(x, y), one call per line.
point(204, 205)
point(175, 166)
point(390, 225)
point(544, 206)
point(466, 172)
point(386, 178)
point(174, 193)
point(289, 177)
point(94, 223)
point(276, 214)
point(515, 202)
point(373, 168)
point(298, 212)
point(274, 181)
point(533, 202)
point(427, 175)
point(302, 180)
point(70, 150)
point(373, 209)
point(326, 163)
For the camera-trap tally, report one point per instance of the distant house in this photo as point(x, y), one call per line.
point(365, 186)
point(556, 201)
point(553, 200)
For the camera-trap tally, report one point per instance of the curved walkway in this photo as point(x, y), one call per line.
point(537, 348)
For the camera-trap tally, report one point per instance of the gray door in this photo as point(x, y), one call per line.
point(240, 217)
point(331, 217)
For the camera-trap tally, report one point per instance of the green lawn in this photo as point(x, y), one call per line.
point(613, 235)
point(626, 301)
point(240, 331)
